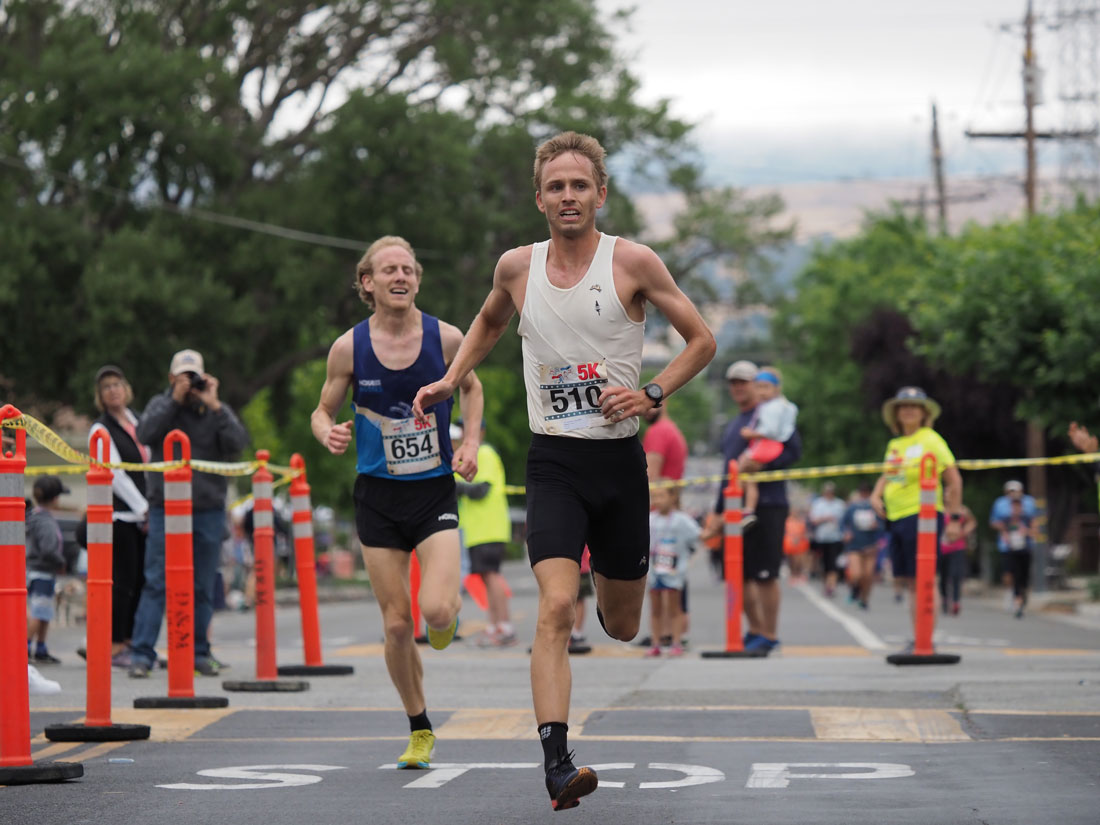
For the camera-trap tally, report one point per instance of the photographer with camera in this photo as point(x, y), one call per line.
point(189, 404)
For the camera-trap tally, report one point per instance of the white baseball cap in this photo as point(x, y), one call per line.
point(741, 371)
point(186, 360)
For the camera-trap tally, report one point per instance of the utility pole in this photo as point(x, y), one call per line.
point(942, 198)
point(937, 172)
point(1036, 435)
point(1031, 82)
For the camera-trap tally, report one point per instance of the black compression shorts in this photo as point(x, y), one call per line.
point(589, 491)
point(401, 514)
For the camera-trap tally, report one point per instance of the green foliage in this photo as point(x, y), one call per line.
point(134, 138)
point(723, 226)
point(997, 324)
point(1016, 303)
point(840, 288)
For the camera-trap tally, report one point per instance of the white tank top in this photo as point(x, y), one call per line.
point(576, 342)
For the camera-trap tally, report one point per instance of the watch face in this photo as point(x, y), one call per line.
point(653, 391)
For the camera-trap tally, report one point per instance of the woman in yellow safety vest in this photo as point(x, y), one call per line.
point(896, 497)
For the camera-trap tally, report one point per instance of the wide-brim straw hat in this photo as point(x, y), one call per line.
point(909, 395)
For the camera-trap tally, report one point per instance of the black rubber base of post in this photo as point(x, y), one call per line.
point(923, 659)
point(266, 686)
point(579, 650)
point(181, 702)
point(40, 772)
point(733, 654)
point(316, 670)
point(96, 733)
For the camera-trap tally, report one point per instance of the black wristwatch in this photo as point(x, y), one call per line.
point(654, 393)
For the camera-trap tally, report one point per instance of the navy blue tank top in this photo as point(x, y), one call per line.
point(389, 441)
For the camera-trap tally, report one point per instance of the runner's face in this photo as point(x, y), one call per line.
point(568, 194)
point(394, 283)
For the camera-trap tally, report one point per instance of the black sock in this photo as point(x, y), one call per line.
point(420, 721)
point(554, 747)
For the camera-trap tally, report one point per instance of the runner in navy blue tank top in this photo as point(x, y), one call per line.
point(405, 489)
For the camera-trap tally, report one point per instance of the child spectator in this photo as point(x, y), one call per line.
point(862, 529)
point(45, 560)
point(952, 562)
point(772, 424)
point(672, 538)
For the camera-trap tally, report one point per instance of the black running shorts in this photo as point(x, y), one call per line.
point(762, 547)
point(401, 514)
point(486, 558)
point(589, 491)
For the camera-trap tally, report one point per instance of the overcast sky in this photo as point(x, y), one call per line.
point(825, 89)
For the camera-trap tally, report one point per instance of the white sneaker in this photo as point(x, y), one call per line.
point(39, 685)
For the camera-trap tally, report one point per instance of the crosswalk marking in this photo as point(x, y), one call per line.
point(877, 724)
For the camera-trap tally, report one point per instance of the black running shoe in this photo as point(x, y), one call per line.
point(567, 784)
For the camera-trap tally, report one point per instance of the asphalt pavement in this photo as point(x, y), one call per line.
point(822, 731)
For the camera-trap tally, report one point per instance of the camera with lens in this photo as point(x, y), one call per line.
point(198, 383)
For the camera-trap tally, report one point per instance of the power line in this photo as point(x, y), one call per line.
point(197, 213)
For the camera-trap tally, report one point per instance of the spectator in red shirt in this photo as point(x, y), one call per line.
point(665, 446)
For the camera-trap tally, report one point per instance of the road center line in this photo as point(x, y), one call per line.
point(856, 629)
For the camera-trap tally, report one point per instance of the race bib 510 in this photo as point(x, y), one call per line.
point(571, 396)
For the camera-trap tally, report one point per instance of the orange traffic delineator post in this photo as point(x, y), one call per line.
point(263, 554)
point(97, 726)
point(305, 564)
point(734, 565)
point(179, 581)
point(16, 766)
point(925, 596)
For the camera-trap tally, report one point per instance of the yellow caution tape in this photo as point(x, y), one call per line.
point(80, 462)
point(286, 479)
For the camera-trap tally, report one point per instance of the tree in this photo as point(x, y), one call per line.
point(156, 155)
point(1014, 303)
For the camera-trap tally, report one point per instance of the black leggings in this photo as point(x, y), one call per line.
point(1019, 566)
point(830, 551)
point(952, 572)
point(127, 573)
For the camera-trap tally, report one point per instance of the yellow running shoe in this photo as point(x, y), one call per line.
point(418, 755)
point(439, 639)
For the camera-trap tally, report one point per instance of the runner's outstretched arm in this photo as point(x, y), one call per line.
point(657, 285)
point(484, 332)
point(472, 403)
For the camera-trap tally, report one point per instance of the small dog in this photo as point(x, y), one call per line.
point(70, 601)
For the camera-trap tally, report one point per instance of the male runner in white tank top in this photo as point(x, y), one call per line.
point(581, 298)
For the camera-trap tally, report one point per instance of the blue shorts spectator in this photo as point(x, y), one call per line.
point(903, 544)
point(40, 595)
